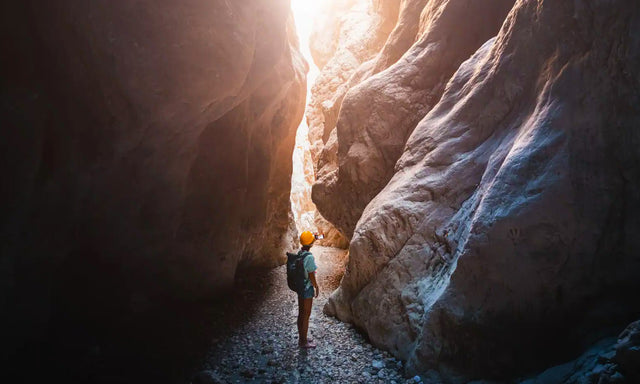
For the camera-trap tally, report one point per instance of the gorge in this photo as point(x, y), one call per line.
point(479, 159)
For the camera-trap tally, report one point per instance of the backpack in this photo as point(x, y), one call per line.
point(295, 270)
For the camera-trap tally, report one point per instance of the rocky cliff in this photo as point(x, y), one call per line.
point(347, 35)
point(307, 217)
point(147, 155)
point(503, 238)
point(379, 112)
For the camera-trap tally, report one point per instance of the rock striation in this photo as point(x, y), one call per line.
point(147, 155)
point(346, 34)
point(504, 241)
point(346, 39)
point(379, 112)
point(306, 216)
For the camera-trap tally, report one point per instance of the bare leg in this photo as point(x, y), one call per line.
point(300, 315)
point(304, 312)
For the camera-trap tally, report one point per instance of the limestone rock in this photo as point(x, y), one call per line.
point(326, 30)
point(506, 236)
point(303, 178)
point(607, 361)
point(306, 215)
point(206, 377)
point(332, 236)
point(628, 352)
point(378, 114)
point(345, 35)
point(147, 150)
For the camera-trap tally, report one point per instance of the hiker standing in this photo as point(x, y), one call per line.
point(305, 297)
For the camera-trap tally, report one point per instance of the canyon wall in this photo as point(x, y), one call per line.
point(490, 187)
point(379, 112)
point(346, 37)
point(147, 155)
point(304, 210)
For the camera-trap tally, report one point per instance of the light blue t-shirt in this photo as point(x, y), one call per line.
point(309, 263)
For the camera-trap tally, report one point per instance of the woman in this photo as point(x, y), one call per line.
point(305, 299)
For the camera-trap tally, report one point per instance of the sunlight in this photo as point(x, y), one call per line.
point(304, 12)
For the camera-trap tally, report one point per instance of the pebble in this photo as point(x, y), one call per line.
point(247, 373)
point(264, 349)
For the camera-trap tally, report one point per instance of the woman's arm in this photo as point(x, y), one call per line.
point(312, 277)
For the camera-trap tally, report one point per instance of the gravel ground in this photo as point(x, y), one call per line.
point(261, 346)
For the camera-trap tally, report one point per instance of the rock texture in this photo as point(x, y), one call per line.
point(346, 34)
point(505, 239)
point(306, 216)
point(304, 211)
point(263, 348)
point(346, 38)
point(147, 154)
point(609, 361)
point(332, 236)
point(379, 113)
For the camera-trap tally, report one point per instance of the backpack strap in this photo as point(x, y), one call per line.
point(303, 254)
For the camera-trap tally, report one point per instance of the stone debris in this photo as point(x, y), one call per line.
point(264, 349)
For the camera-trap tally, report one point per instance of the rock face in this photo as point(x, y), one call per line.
point(346, 34)
point(506, 237)
point(148, 152)
point(306, 216)
point(332, 236)
point(379, 113)
point(304, 210)
point(608, 361)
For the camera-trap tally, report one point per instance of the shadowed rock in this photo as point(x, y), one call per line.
point(608, 361)
point(147, 154)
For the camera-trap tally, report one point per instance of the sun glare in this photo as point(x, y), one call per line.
point(304, 12)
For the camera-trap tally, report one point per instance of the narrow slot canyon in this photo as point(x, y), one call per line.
point(474, 167)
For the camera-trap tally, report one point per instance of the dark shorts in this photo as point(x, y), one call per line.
point(307, 294)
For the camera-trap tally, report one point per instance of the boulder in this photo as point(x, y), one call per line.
point(628, 352)
point(608, 361)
